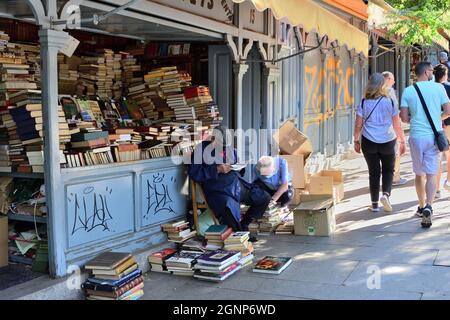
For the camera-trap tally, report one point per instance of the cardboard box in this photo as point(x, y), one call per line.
point(315, 216)
point(296, 168)
point(296, 199)
point(292, 141)
point(329, 182)
point(3, 241)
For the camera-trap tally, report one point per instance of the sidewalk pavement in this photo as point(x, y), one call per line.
point(413, 262)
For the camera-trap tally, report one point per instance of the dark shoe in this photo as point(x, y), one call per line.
point(253, 239)
point(426, 218)
point(419, 212)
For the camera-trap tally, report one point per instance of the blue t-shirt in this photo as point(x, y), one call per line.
point(280, 177)
point(378, 128)
point(435, 97)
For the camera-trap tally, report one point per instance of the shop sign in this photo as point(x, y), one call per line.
point(220, 10)
point(251, 18)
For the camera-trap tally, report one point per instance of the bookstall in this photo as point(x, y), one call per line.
point(117, 84)
point(121, 113)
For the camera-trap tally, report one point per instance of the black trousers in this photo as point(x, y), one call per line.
point(285, 198)
point(228, 219)
point(257, 207)
point(380, 158)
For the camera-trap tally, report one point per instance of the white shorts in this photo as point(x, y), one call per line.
point(425, 155)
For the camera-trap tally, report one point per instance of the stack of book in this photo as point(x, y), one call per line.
point(178, 231)
point(5, 118)
point(194, 245)
point(200, 100)
point(131, 71)
point(126, 152)
point(239, 241)
point(171, 82)
point(117, 82)
point(153, 81)
point(217, 265)
point(183, 112)
point(164, 112)
point(287, 222)
point(182, 263)
point(93, 76)
point(4, 40)
point(115, 276)
point(285, 228)
point(67, 79)
point(108, 54)
point(28, 120)
point(270, 220)
point(158, 259)
point(139, 99)
point(11, 144)
point(216, 235)
point(33, 59)
point(89, 147)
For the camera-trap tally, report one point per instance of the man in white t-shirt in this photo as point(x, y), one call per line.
point(390, 81)
point(424, 152)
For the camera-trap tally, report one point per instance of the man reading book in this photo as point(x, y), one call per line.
point(223, 187)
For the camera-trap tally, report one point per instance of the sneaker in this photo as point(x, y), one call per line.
point(386, 203)
point(400, 182)
point(419, 212)
point(426, 218)
point(374, 209)
point(438, 194)
point(447, 185)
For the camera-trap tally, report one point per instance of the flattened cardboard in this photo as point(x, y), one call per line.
point(296, 168)
point(292, 141)
point(315, 216)
point(3, 241)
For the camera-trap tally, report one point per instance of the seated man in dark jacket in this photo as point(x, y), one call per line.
point(223, 187)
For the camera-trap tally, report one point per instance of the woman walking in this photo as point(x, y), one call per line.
point(441, 76)
point(377, 128)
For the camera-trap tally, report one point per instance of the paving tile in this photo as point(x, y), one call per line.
point(435, 296)
point(407, 277)
point(409, 255)
point(335, 292)
point(334, 271)
point(443, 258)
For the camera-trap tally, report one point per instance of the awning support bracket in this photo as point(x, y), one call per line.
point(274, 61)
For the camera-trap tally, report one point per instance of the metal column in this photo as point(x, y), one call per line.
point(51, 41)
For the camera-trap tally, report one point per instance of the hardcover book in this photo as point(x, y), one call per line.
point(271, 264)
point(219, 257)
point(108, 260)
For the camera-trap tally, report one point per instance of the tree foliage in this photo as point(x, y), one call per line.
point(419, 21)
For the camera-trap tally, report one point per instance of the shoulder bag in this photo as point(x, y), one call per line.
point(440, 137)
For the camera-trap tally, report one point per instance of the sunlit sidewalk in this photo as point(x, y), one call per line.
point(370, 256)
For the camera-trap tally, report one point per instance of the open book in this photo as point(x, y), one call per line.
point(238, 166)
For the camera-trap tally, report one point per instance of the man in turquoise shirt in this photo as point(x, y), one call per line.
point(424, 153)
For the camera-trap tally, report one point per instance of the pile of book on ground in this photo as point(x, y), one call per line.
point(287, 223)
point(115, 276)
point(178, 231)
point(273, 217)
point(217, 265)
point(216, 235)
point(158, 259)
point(239, 241)
point(182, 263)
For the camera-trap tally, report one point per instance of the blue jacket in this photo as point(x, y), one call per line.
point(221, 190)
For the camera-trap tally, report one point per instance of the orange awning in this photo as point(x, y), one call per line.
point(313, 17)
